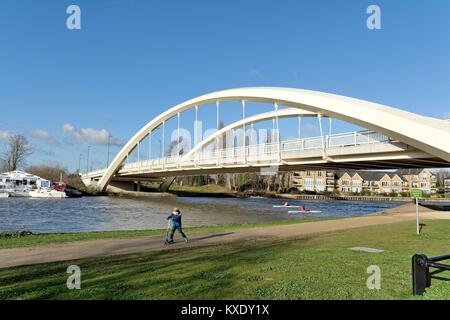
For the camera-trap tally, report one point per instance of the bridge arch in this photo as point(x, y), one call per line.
point(424, 133)
point(284, 113)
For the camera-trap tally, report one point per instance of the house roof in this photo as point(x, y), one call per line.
point(411, 171)
point(17, 174)
point(369, 175)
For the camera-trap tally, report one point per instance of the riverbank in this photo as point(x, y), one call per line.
point(216, 191)
point(272, 263)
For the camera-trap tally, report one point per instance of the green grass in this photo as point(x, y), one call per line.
point(316, 266)
point(58, 238)
point(210, 188)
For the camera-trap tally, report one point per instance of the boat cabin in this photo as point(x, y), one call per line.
point(20, 179)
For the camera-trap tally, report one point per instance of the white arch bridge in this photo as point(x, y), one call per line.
point(393, 138)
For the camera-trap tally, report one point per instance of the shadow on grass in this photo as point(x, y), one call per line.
point(177, 274)
point(434, 273)
point(217, 235)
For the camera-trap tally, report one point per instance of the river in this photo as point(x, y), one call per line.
point(116, 213)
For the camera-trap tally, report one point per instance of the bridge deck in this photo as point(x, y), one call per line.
point(357, 150)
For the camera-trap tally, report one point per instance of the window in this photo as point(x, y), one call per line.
point(45, 184)
point(308, 173)
point(309, 184)
point(319, 173)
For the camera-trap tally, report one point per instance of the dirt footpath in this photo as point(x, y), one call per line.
point(110, 247)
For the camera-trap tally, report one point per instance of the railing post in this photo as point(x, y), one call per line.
point(356, 138)
point(217, 138)
point(299, 127)
point(278, 132)
point(178, 141)
point(244, 136)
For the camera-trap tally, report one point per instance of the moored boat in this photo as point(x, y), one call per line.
point(47, 193)
point(4, 195)
point(70, 192)
point(439, 206)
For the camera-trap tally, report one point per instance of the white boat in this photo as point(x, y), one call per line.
point(19, 193)
point(47, 193)
point(19, 184)
point(4, 195)
point(286, 206)
point(304, 211)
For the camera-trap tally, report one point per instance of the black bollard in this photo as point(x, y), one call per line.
point(420, 274)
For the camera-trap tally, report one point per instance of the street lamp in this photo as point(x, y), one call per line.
point(87, 160)
point(109, 142)
point(79, 163)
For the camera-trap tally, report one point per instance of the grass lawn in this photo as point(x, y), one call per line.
point(210, 188)
point(316, 266)
point(58, 238)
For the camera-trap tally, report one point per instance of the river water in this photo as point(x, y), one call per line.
point(115, 213)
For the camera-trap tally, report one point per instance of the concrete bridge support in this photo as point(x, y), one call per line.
point(122, 186)
point(165, 185)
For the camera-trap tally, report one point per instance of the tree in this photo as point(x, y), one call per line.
point(57, 173)
point(17, 150)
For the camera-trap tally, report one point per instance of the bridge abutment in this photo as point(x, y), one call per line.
point(122, 186)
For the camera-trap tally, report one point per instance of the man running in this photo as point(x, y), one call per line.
point(175, 219)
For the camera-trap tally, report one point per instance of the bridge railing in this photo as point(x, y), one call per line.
point(267, 152)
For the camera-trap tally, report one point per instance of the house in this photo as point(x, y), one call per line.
point(314, 180)
point(447, 186)
point(352, 181)
point(422, 179)
point(373, 181)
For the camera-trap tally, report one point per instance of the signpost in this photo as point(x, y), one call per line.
point(417, 193)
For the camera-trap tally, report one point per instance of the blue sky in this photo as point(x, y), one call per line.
point(133, 59)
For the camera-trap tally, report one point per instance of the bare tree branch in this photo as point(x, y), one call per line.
point(16, 153)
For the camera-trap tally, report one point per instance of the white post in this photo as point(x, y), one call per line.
point(163, 143)
point(299, 127)
point(251, 142)
point(217, 138)
point(417, 216)
point(244, 135)
point(195, 135)
point(278, 132)
point(329, 131)
point(178, 141)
